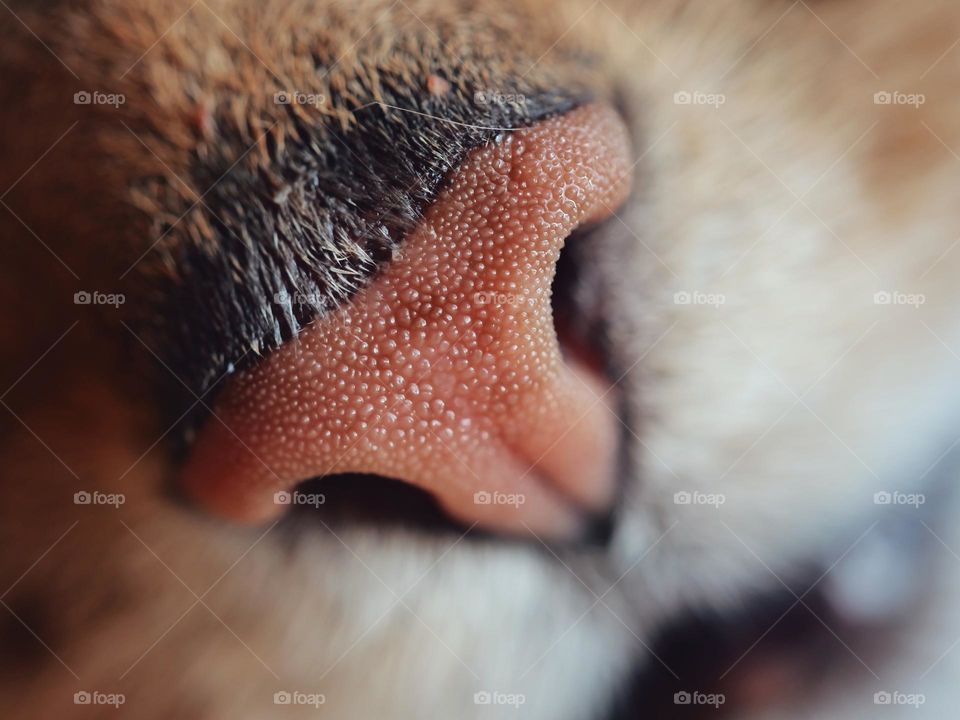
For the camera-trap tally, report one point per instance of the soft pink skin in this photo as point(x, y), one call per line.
point(419, 379)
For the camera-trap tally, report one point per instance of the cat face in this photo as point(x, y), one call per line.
point(392, 357)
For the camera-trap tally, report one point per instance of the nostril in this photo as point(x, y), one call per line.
point(446, 372)
point(355, 498)
point(576, 304)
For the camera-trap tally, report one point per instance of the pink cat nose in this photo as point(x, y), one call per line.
point(445, 371)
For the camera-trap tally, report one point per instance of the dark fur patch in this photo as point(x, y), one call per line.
point(294, 240)
point(232, 220)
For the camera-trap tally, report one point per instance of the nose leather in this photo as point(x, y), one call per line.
point(445, 371)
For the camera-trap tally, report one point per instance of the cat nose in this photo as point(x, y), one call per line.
point(445, 371)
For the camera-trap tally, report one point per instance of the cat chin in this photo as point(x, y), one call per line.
point(377, 623)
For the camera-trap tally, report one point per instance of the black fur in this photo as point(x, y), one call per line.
point(294, 241)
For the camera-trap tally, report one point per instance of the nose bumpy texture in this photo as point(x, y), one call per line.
point(445, 371)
